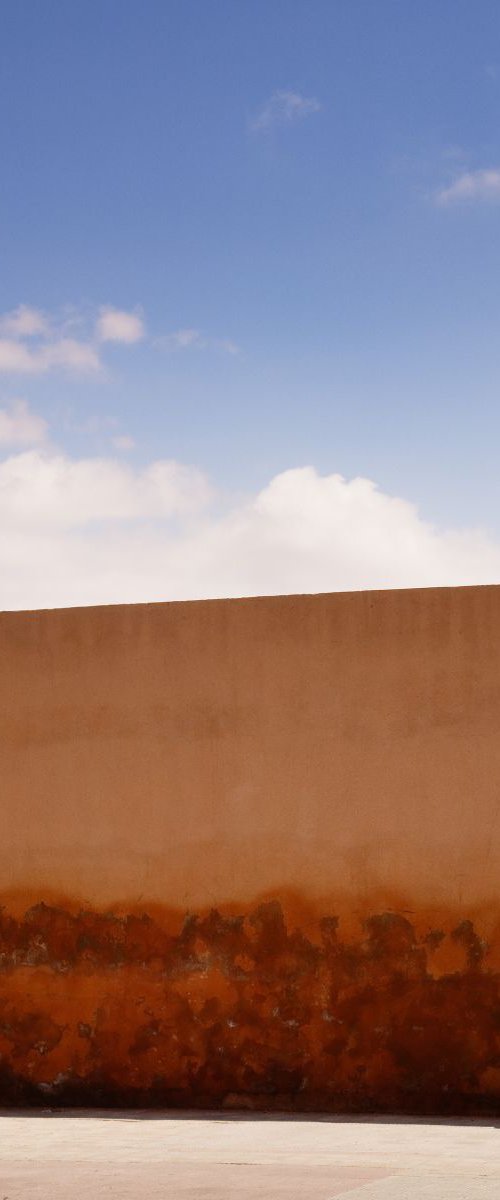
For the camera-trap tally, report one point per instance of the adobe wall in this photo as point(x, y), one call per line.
point(250, 853)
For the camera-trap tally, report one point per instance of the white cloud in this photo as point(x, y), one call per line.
point(24, 322)
point(115, 325)
point(97, 530)
point(17, 358)
point(31, 344)
point(225, 344)
point(194, 339)
point(472, 186)
point(70, 354)
point(182, 339)
point(49, 492)
point(19, 426)
point(283, 108)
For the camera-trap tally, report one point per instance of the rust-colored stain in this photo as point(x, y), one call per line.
point(324, 772)
point(247, 1010)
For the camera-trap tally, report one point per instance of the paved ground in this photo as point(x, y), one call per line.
point(127, 1156)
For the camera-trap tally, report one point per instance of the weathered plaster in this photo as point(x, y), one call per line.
point(250, 851)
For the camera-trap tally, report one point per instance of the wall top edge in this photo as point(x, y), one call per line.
point(265, 599)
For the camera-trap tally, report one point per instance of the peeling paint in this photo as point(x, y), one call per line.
point(247, 1010)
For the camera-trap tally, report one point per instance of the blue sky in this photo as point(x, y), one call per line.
point(298, 203)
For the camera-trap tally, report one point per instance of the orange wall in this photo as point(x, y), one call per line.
point(250, 852)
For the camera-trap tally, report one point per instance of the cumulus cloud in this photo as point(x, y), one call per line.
point(19, 426)
point(97, 530)
point(115, 325)
point(52, 492)
point(283, 108)
point(479, 186)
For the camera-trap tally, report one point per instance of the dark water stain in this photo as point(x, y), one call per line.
point(246, 1011)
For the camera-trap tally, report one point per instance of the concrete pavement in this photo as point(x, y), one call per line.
point(136, 1156)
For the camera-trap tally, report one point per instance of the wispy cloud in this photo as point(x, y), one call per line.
point(123, 442)
point(103, 430)
point(283, 108)
point(481, 186)
point(20, 426)
point(194, 339)
point(182, 339)
point(225, 344)
point(24, 322)
point(17, 358)
point(32, 343)
point(116, 325)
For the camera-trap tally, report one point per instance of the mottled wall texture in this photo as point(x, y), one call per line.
point(250, 852)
